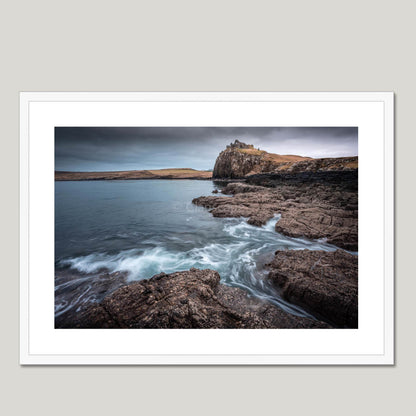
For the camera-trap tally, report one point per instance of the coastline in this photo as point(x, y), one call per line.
point(314, 200)
point(325, 283)
point(177, 173)
point(191, 298)
point(259, 203)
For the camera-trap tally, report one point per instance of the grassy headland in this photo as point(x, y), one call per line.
point(180, 173)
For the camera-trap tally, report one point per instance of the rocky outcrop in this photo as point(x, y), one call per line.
point(240, 160)
point(345, 180)
point(187, 299)
point(312, 209)
point(326, 283)
point(236, 161)
point(316, 199)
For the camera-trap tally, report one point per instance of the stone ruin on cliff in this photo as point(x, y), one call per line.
point(239, 145)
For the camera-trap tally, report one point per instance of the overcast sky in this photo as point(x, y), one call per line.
point(129, 148)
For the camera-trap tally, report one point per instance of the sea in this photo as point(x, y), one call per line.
point(140, 228)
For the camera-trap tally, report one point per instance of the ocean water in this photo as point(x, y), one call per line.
point(144, 227)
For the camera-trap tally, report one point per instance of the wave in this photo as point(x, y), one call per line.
point(239, 258)
point(137, 263)
point(144, 263)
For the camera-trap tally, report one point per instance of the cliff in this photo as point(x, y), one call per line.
point(239, 160)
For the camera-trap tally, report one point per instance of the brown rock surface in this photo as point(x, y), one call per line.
point(311, 210)
point(77, 287)
point(188, 299)
point(239, 160)
point(326, 283)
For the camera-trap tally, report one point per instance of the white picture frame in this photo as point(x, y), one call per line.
point(371, 343)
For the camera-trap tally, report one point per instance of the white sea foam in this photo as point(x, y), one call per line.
point(236, 259)
point(138, 264)
point(247, 243)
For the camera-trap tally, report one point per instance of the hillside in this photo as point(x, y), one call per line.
point(239, 160)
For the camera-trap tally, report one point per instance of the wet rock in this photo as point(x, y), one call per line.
point(312, 210)
point(187, 299)
point(326, 283)
point(337, 227)
point(77, 286)
point(240, 188)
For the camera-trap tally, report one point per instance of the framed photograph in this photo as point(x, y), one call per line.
point(207, 228)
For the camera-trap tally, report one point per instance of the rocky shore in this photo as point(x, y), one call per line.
point(309, 210)
point(240, 160)
point(187, 299)
point(315, 199)
point(325, 283)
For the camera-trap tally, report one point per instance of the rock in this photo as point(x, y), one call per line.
point(236, 161)
point(75, 286)
point(325, 283)
point(240, 188)
point(347, 179)
point(337, 227)
point(187, 299)
point(239, 160)
point(313, 209)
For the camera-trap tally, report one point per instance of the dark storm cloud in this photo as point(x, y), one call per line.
point(126, 148)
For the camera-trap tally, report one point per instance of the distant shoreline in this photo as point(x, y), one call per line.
point(147, 179)
point(179, 173)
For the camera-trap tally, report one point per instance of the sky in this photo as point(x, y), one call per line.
point(141, 148)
